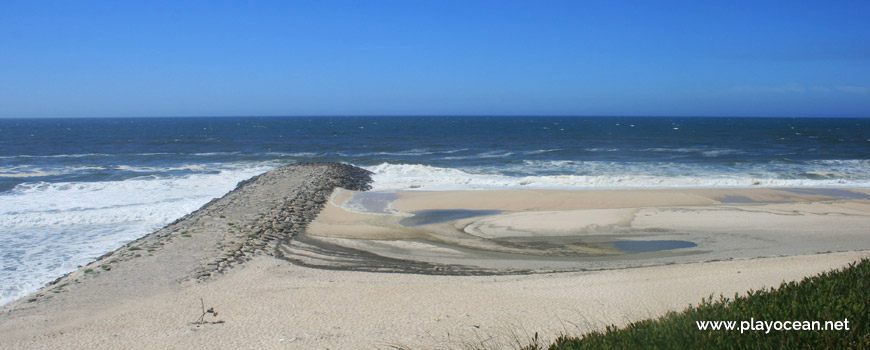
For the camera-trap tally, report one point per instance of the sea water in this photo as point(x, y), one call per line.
point(74, 189)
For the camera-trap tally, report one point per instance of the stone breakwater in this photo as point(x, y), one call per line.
point(293, 196)
point(291, 214)
point(260, 214)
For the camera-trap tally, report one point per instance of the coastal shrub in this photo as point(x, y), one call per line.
point(830, 296)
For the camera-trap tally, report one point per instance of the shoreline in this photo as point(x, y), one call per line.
point(546, 231)
point(225, 253)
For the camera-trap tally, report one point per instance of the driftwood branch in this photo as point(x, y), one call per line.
point(210, 310)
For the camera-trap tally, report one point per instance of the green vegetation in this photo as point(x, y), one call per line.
point(134, 249)
point(831, 296)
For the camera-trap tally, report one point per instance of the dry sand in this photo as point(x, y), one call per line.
point(271, 303)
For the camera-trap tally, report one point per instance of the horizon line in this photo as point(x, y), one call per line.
point(437, 116)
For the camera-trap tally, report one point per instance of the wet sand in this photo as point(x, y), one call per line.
point(542, 231)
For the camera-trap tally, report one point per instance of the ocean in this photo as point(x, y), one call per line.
point(74, 189)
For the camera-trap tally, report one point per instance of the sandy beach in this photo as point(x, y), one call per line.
point(520, 231)
point(468, 175)
point(434, 270)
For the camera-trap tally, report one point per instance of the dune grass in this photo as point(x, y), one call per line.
point(831, 296)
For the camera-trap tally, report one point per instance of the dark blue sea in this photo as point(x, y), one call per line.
point(73, 189)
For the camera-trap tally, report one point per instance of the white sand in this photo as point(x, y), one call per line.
point(272, 304)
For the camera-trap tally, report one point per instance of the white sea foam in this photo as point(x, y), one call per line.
point(147, 169)
point(209, 154)
point(606, 175)
point(153, 154)
point(410, 152)
point(22, 172)
point(675, 149)
point(82, 155)
point(294, 154)
point(489, 154)
point(25, 171)
point(720, 152)
point(543, 151)
point(48, 229)
point(705, 151)
point(144, 154)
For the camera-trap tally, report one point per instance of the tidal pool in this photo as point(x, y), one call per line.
point(432, 216)
point(372, 202)
point(651, 246)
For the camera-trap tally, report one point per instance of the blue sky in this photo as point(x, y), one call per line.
point(188, 58)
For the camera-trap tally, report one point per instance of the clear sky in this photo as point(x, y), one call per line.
point(200, 58)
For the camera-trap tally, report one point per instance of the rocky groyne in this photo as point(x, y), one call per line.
point(292, 211)
point(260, 214)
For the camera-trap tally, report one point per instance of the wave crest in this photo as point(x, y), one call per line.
point(613, 175)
